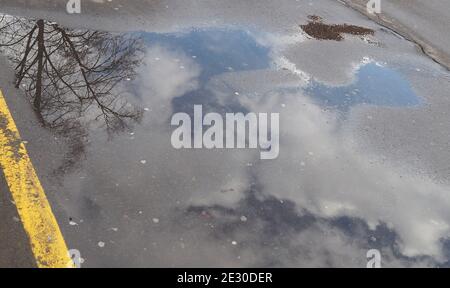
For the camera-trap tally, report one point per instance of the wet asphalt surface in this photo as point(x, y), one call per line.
point(363, 154)
point(15, 250)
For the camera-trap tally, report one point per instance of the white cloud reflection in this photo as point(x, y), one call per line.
point(322, 169)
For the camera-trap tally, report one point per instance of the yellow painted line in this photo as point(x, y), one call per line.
point(47, 242)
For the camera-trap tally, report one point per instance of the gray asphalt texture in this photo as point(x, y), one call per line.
point(15, 248)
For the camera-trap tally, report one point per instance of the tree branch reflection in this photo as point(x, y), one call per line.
point(73, 78)
point(70, 73)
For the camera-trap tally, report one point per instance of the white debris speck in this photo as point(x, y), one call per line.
point(234, 243)
point(101, 244)
point(236, 93)
point(73, 223)
point(115, 229)
point(244, 219)
point(143, 162)
point(16, 219)
point(155, 220)
point(146, 109)
point(283, 105)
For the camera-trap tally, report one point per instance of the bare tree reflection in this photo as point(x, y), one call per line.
point(72, 77)
point(72, 73)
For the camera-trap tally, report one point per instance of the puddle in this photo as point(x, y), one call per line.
point(217, 51)
point(374, 85)
point(79, 81)
point(78, 75)
point(65, 80)
point(134, 83)
point(68, 84)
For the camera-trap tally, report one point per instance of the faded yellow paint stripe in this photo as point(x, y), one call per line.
point(47, 242)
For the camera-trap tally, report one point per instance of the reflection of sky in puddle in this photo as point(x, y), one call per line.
point(374, 85)
point(211, 181)
point(217, 51)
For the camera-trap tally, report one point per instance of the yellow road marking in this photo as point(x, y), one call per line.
point(47, 242)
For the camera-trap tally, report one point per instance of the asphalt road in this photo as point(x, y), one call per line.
point(367, 168)
point(15, 249)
